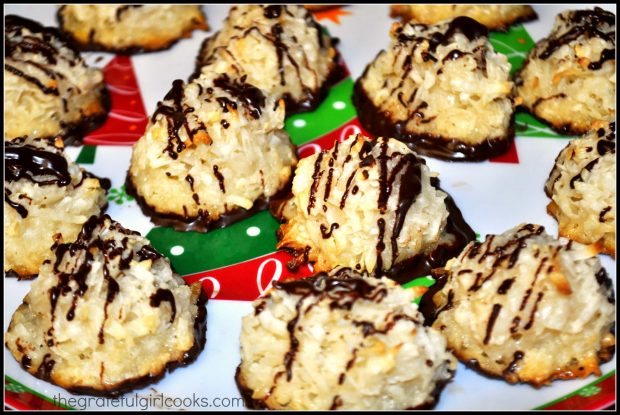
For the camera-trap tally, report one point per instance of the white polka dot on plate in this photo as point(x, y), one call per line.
point(299, 123)
point(339, 105)
point(177, 250)
point(253, 231)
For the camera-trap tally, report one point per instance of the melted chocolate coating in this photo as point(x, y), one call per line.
point(463, 25)
point(12, 274)
point(175, 117)
point(164, 295)
point(258, 404)
point(421, 265)
point(203, 222)
point(32, 163)
point(273, 12)
point(251, 97)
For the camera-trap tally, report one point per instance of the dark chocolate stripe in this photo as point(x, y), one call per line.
point(494, 313)
point(380, 245)
point(316, 177)
point(533, 313)
point(346, 190)
point(330, 174)
point(162, 295)
point(251, 97)
point(175, 117)
point(408, 191)
point(578, 177)
point(32, 80)
point(32, 163)
point(220, 178)
point(327, 234)
point(384, 186)
point(505, 286)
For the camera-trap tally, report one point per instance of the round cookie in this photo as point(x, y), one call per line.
point(47, 199)
point(493, 16)
point(525, 307)
point(218, 145)
point(371, 206)
point(281, 49)
point(340, 341)
point(107, 314)
point(582, 188)
point(48, 89)
point(129, 29)
point(441, 89)
point(569, 78)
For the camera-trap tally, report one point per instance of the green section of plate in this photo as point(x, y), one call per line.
point(514, 43)
point(192, 252)
point(118, 195)
point(420, 282)
point(87, 155)
point(333, 112)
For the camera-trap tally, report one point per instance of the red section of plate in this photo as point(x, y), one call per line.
point(601, 400)
point(327, 141)
point(231, 282)
point(511, 156)
point(26, 401)
point(127, 119)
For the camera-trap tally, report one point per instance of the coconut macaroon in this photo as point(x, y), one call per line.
point(129, 28)
point(107, 314)
point(493, 16)
point(526, 307)
point(441, 89)
point(281, 49)
point(47, 198)
point(340, 341)
point(218, 146)
point(370, 206)
point(582, 188)
point(48, 89)
point(569, 78)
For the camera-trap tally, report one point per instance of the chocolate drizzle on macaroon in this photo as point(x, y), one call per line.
point(48, 44)
point(398, 174)
point(381, 122)
point(42, 166)
point(72, 264)
point(585, 23)
point(278, 39)
point(341, 289)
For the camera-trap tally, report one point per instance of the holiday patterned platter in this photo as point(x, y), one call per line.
point(238, 264)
